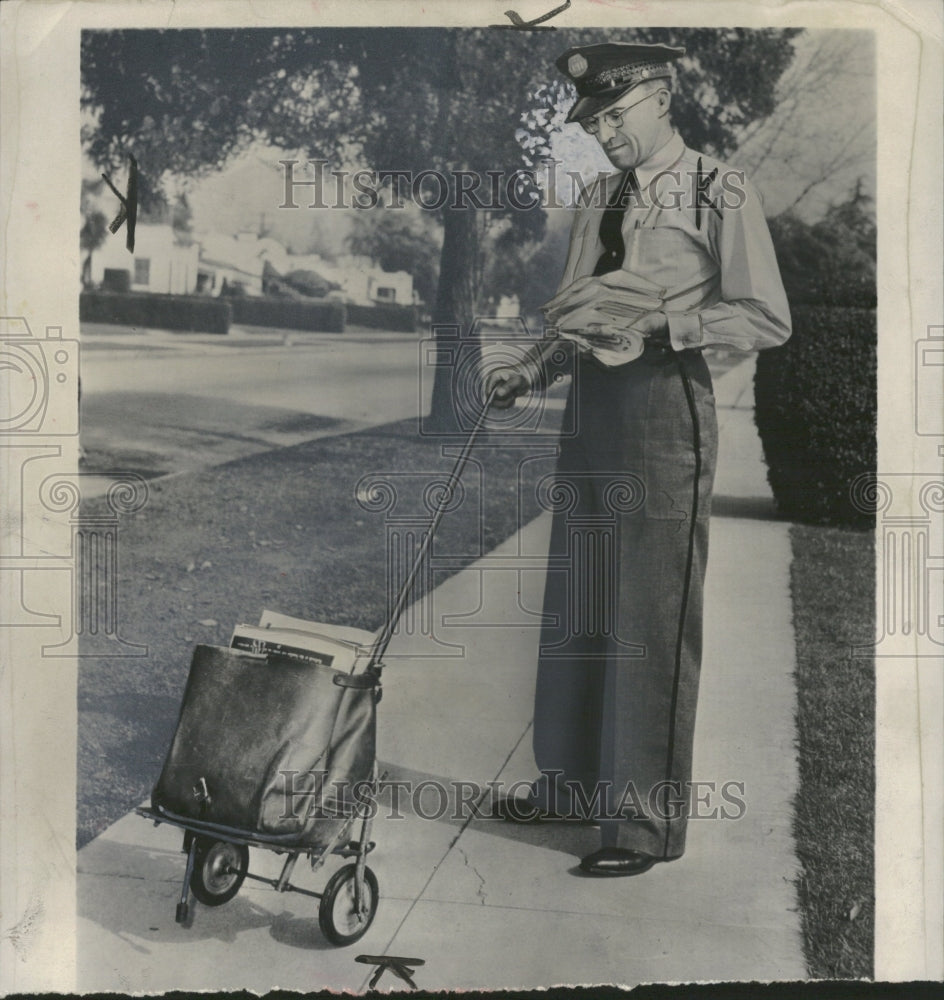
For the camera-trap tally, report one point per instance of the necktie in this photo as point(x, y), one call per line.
point(611, 225)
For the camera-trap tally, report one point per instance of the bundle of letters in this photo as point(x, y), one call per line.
point(283, 637)
point(603, 323)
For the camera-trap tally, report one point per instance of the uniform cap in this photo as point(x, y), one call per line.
point(603, 73)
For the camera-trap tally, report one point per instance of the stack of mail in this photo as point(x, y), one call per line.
point(598, 313)
point(288, 638)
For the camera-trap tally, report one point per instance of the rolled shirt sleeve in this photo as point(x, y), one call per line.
point(753, 312)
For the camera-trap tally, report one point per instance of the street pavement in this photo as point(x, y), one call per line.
point(155, 402)
point(492, 905)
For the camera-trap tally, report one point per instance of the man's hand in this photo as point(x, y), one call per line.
point(509, 383)
point(654, 327)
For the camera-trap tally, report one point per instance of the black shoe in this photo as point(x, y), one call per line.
point(614, 861)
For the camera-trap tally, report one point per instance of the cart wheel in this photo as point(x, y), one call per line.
point(219, 870)
point(337, 917)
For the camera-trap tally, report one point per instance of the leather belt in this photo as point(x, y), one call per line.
point(653, 349)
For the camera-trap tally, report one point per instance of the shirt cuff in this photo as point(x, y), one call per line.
point(685, 331)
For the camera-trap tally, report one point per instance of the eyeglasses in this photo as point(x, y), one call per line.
point(613, 118)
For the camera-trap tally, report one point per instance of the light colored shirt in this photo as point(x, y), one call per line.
point(703, 238)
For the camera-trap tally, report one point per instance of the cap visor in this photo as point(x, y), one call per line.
point(591, 105)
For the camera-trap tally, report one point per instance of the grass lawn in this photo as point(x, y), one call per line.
point(833, 584)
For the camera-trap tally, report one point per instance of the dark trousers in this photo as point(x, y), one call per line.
point(620, 650)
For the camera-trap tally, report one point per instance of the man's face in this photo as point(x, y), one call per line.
point(641, 128)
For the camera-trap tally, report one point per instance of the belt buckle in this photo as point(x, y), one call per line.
point(656, 350)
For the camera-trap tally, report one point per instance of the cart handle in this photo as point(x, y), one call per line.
point(383, 640)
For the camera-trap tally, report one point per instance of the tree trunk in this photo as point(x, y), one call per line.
point(457, 348)
point(87, 271)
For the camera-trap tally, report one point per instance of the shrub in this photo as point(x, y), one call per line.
point(815, 407)
point(831, 263)
point(392, 317)
point(116, 279)
point(195, 313)
point(326, 316)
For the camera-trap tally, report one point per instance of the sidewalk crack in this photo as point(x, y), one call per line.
point(480, 892)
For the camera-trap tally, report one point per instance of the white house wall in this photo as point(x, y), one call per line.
point(171, 268)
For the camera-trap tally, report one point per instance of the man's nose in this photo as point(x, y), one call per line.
point(606, 131)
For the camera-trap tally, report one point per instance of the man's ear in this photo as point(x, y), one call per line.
point(665, 101)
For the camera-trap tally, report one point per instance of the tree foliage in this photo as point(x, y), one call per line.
point(822, 134)
point(830, 263)
point(527, 267)
point(94, 229)
point(398, 243)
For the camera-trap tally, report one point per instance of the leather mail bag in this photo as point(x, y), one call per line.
point(268, 747)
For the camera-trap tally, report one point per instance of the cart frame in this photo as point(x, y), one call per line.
point(202, 837)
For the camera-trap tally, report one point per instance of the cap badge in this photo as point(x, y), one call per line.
point(577, 65)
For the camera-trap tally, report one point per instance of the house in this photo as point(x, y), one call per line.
point(162, 261)
point(360, 282)
point(238, 262)
point(165, 261)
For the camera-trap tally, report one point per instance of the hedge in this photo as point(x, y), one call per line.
point(821, 271)
point(391, 317)
point(327, 316)
point(195, 313)
point(214, 315)
point(815, 408)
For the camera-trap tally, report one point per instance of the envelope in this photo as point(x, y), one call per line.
point(610, 348)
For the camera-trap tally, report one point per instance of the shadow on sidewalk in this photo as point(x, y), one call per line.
point(749, 508)
point(476, 812)
point(139, 908)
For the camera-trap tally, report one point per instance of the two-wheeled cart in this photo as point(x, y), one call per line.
point(275, 749)
point(218, 864)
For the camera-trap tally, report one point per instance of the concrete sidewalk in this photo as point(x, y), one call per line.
point(491, 905)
